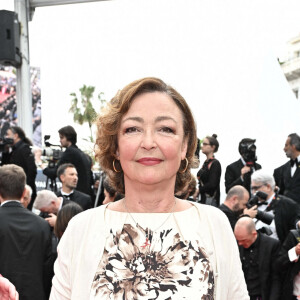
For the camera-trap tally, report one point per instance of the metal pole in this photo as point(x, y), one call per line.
point(24, 98)
point(99, 189)
point(41, 3)
point(25, 10)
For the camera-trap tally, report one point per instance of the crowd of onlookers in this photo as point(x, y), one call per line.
point(8, 102)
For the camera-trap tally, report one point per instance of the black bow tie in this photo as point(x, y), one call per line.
point(68, 196)
point(294, 161)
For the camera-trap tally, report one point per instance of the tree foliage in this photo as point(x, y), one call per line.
point(84, 112)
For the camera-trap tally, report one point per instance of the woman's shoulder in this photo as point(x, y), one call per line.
point(213, 213)
point(86, 217)
point(216, 162)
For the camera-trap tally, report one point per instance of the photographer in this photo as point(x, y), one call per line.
point(239, 172)
point(19, 153)
point(286, 211)
point(235, 205)
point(73, 155)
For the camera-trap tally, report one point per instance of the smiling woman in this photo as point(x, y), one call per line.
point(141, 247)
point(152, 145)
point(155, 95)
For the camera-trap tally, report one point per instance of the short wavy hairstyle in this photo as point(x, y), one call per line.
point(109, 122)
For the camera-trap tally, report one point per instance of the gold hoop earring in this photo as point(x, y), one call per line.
point(114, 167)
point(187, 163)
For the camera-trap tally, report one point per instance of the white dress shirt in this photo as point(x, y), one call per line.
point(294, 167)
point(260, 224)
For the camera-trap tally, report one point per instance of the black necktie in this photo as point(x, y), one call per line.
point(294, 161)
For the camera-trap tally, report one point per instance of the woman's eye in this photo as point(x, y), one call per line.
point(167, 130)
point(131, 129)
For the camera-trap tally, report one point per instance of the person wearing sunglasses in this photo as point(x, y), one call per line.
point(210, 173)
point(286, 211)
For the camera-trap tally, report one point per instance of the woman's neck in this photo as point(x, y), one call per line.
point(154, 201)
point(155, 198)
point(209, 155)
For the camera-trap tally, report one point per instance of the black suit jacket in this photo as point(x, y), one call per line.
point(278, 177)
point(268, 249)
point(83, 166)
point(233, 175)
point(231, 215)
point(287, 214)
point(287, 269)
point(82, 199)
point(25, 251)
point(289, 186)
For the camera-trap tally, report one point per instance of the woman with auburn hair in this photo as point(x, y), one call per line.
point(142, 246)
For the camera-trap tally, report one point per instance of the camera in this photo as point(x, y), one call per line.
point(5, 142)
point(52, 154)
point(263, 216)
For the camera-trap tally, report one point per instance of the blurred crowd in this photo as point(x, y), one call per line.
point(8, 103)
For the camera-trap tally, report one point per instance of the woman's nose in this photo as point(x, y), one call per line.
point(148, 141)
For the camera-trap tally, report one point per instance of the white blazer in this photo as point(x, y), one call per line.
point(81, 247)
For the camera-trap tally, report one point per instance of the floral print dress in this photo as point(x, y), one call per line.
point(140, 263)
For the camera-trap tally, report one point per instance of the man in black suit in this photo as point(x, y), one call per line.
point(21, 155)
point(67, 174)
point(287, 176)
point(286, 211)
point(235, 205)
point(73, 155)
point(288, 265)
point(258, 253)
point(239, 172)
point(25, 240)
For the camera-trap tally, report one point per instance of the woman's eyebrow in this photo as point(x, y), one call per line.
point(138, 119)
point(157, 119)
point(164, 118)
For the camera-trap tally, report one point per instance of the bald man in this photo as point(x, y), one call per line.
point(258, 253)
point(235, 205)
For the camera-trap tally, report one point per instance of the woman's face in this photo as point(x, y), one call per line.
point(206, 147)
point(11, 135)
point(151, 140)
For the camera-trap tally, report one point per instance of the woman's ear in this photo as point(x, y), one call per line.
point(184, 149)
